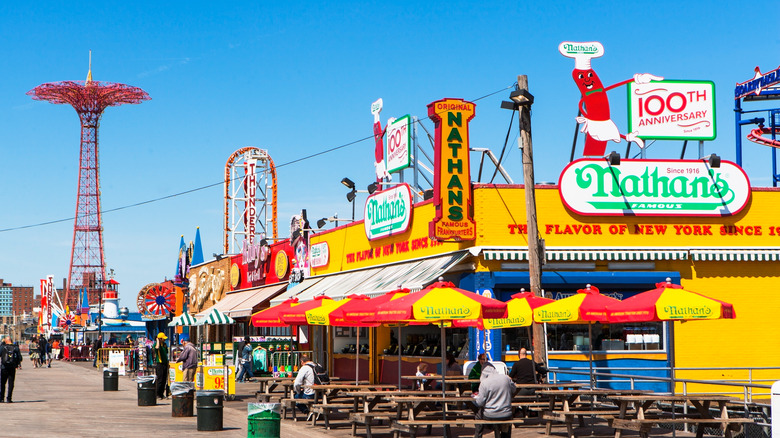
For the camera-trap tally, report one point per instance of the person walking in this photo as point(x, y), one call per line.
point(10, 361)
point(188, 359)
point(160, 357)
point(43, 351)
point(35, 351)
point(246, 360)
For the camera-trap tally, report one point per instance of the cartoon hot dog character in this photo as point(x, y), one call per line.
point(594, 104)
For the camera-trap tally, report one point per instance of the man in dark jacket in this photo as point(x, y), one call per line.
point(43, 351)
point(188, 359)
point(160, 357)
point(10, 361)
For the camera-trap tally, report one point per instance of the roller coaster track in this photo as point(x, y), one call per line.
point(757, 136)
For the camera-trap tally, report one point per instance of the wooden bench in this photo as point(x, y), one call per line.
point(289, 404)
point(367, 418)
point(411, 426)
point(264, 397)
point(643, 426)
point(326, 410)
point(567, 417)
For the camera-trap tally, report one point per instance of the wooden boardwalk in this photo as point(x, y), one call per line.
point(67, 400)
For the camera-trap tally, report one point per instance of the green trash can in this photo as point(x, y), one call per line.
point(264, 420)
point(182, 399)
point(110, 379)
point(210, 405)
point(147, 393)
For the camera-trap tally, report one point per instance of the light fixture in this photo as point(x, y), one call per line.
point(321, 222)
point(348, 183)
point(263, 242)
point(713, 160)
point(428, 194)
point(372, 188)
point(522, 97)
point(613, 158)
point(351, 195)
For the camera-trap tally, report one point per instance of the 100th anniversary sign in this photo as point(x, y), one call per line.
point(654, 188)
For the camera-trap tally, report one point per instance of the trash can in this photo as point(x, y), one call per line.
point(110, 379)
point(210, 405)
point(182, 398)
point(264, 420)
point(147, 393)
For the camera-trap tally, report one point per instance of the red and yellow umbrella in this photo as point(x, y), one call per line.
point(272, 316)
point(587, 305)
point(362, 310)
point(332, 313)
point(439, 302)
point(669, 302)
point(296, 315)
point(520, 311)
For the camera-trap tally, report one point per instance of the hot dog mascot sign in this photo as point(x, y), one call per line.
point(594, 104)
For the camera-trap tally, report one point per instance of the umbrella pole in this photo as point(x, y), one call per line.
point(357, 355)
point(443, 378)
point(399, 357)
point(590, 355)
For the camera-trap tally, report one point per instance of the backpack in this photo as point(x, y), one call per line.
point(320, 375)
point(10, 356)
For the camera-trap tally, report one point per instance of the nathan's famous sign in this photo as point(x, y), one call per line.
point(388, 212)
point(454, 218)
point(654, 188)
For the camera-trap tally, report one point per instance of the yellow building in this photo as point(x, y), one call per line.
point(730, 252)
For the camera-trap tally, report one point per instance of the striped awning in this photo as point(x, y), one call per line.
point(185, 319)
point(736, 254)
point(215, 317)
point(589, 253)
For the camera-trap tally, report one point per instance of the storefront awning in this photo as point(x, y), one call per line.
point(413, 275)
point(736, 254)
point(240, 304)
point(588, 253)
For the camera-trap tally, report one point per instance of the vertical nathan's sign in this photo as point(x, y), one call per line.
point(452, 180)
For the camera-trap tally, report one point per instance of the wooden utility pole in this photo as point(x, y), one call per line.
point(524, 101)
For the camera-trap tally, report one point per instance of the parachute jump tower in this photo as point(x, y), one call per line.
point(89, 98)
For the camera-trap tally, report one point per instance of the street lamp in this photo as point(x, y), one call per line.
point(353, 191)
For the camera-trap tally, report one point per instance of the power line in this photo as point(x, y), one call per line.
point(208, 186)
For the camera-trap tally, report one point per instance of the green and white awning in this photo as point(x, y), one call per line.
point(185, 319)
point(215, 317)
point(736, 254)
point(589, 253)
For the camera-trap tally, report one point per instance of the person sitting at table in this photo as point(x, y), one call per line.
point(303, 382)
point(453, 367)
point(476, 371)
point(524, 371)
point(494, 400)
point(422, 370)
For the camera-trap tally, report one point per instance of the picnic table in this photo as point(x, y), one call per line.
point(370, 406)
point(643, 415)
point(573, 403)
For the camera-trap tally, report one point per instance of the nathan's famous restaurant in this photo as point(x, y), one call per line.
point(622, 228)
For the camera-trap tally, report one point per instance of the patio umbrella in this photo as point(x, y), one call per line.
point(669, 302)
point(328, 314)
point(586, 306)
point(185, 319)
point(359, 310)
point(215, 317)
point(440, 303)
point(272, 316)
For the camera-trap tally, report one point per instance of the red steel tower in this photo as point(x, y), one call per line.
point(89, 98)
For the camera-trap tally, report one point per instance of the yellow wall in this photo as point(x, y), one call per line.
point(349, 247)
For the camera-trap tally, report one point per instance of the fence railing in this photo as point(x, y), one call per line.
point(748, 390)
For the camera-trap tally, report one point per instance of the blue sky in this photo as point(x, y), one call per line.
point(297, 79)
